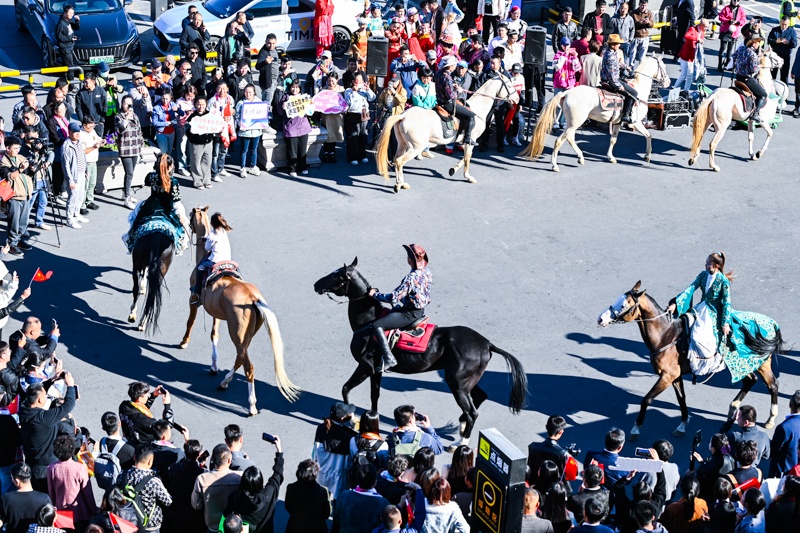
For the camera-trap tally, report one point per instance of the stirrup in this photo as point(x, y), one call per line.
point(195, 299)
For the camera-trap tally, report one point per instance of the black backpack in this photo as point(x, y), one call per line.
point(367, 454)
point(133, 493)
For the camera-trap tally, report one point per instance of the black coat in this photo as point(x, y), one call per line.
point(309, 506)
point(39, 432)
point(92, 104)
point(684, 12)
point(268, 72)
point(179, 482)
point(259, 509)
point(191, 35)
point(63, 36)
point(608, 27)
point(137, 426)
point(548, 450)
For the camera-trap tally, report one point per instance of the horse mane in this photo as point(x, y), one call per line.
point(639, 69)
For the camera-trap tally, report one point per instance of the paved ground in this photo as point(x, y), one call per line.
point(527, 257)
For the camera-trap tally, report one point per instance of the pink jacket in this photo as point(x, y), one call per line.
point(726, 18)
point(565, 65)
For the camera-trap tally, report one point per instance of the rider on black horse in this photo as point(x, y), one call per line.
point(447, 97)
point(610, 75)
point(408, 301)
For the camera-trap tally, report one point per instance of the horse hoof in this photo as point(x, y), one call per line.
point(678, 433)
point(613, 160)
point(252, 412)
point(141, 327)
point(222, 386)
point(183, 345)
point(397, 189)
point(581, 161)
point(758, 155)
point(131, 318)
point(213, 371)
point(405, 185)
point(647, 159)
point(691, 161)
point(715, 168)
point(452, 171)
point(470, 179)
point(556, 169)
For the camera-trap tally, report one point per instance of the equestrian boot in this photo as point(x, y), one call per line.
point(626, 110)
point(387, 358)
point(760, 101)
point(467, 140)
point(197, 288)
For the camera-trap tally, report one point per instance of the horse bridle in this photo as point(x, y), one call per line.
point(505, 86)
point(660, 76)
point(205, 224)
point(617, 318)
point(346, 285)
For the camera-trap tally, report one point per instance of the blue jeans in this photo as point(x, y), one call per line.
point(250, 148)
point(19, 213)
point(562, 120)
point(39, 199)
point(180, 153)
point(638, 49)
point(165, 141)
point(218, 157)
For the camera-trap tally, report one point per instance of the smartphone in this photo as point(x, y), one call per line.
point(419, 417)
point(179, 428)
point(55, 324)
point(77, 393)
point(644, 453)
point(203, 456)
point(269, 438)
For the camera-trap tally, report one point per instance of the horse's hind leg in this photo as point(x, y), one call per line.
point(375, 389)
point(680, 393)
point(214, 340)
point(771, 382)
point(250, 374)
point(570, 136)
point(720, 127)
point(747, 384)
point(660, 386)
point(614, 135)
point(478, 397)
point(410, 153)
point(136, 282)
point(556, 147)
point(362, 372)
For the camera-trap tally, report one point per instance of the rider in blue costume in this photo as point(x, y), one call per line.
point(408, 301)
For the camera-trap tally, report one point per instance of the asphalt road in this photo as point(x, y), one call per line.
point(527, 257)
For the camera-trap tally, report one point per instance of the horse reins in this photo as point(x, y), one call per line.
point(346, 285)
point(616, 318)
point(505, 86)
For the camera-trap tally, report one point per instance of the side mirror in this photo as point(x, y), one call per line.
point(128, 2)
point(247, 14)
point(34, 7)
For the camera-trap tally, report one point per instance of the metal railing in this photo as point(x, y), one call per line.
point(33, 72)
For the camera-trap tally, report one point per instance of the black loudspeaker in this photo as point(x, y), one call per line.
point(377, 56)
point(536, 46)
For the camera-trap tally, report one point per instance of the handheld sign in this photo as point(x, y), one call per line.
point(210, 123)
point(255, 115)
point(298, 105)
point(329, 102)
point(499, 485)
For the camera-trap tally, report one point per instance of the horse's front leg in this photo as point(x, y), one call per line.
point(614, 135)
point(660, 386)
point(361, 373)
point(132, 313)
point(750, 136)
point(639, 127)
point(467, 159)
point(768, 130)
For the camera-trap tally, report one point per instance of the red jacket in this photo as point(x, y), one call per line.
point(690, 41)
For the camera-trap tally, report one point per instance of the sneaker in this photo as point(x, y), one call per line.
point(796, 112)
point(208, 186)
point(93, 206)
point(129, 204)
point(185, 173)
point(516, 142)
point(353, 162)
point(81, 218)
point(255, 171)
point(200, 187)
point(293, 174)
point(224, 172)
point(70, 224)
point(24, 246)
point(304, 172)
point(43, 227)
point(243, 173)
point(84, 211)
point(14, 250)
point(426, 153)
point(217, 177)
point(365, 160)
point(505, 142)
point(60, 201)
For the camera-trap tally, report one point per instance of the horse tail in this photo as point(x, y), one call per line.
point(766, 347)
point(289, 390)
point(546, 119)
point(701, 120)
point(382, 149)
point(519, 381)
point(159, 243)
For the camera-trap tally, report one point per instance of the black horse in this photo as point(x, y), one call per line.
point(152, 257)
point(461, 352)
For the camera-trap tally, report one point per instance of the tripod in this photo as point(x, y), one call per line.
point(51, 198)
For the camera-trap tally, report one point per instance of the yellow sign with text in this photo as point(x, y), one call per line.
point(484, 448)
point(488, 503)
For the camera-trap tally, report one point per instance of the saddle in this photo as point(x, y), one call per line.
point(610, 99)
point(450, 123)
point(412, 338)
point(748, 100)
point(223, 269)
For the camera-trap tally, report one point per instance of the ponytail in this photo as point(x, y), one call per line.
point(218, 221)
point(718, 259)
point(163, 166)
point(689, 487)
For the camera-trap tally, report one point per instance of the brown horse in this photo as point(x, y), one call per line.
point(661, 332)
point(245, 310)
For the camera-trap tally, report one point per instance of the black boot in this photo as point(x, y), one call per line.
point(467, 140)
point(760, 101)
point(626, 110)
point(197, 288)
point(387, 359)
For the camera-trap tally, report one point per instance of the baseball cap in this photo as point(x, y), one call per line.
point(516, 67)
point(74, 127)
point(564, 41)
point(327, 53)
point(462, 64)
point(341, 410)
point(431, 54)
point(155, 63)
point(137, 74)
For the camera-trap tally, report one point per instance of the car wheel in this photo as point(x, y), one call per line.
point(47, 53)
point(211, 45)
point(18, 18)
point(341, 41)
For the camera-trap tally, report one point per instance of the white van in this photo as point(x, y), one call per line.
point(292, 21)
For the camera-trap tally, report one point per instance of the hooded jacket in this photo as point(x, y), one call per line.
point(259, 509)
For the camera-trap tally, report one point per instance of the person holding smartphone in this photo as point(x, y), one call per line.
point(135, 416)
point(413, 432)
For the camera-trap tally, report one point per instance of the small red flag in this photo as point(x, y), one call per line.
point(41, 276)
point(122, 525)
point(64, 519)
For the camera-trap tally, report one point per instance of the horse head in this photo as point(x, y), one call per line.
point(343, 282)
point(198, 221)
point(500, 88)
point(770, 60)
point(625, 309)
point(653, 67)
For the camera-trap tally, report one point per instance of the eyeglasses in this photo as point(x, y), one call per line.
point(192, 52)
point(186, 70)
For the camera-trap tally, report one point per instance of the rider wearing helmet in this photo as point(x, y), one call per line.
point(610, 74)
point(447, 97)
point(408, 301)
point(746, 64)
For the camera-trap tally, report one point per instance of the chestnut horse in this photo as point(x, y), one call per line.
point(245, 309)
point(661, 332)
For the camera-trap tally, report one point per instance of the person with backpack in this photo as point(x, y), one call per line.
point(332, 448)
point(114, 453)
point(368, 446)
point(413, 432)
point(180, 481)
point(145, 491)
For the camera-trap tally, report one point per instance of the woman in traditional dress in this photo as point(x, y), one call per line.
point(323, 29)
point(720, 335)
point(162, 207)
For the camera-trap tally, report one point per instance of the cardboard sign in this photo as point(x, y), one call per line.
point(329, 102)
point(209, 123)
point(298, 105)
point(254, 115)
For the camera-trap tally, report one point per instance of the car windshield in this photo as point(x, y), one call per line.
point(85, 6)
point(226, 8)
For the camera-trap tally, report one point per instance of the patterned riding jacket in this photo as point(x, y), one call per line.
point(446, 92)
point(609, 72)
point(414, 291)
point(745, 62)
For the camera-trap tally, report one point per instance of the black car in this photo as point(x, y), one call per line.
point(107, 34)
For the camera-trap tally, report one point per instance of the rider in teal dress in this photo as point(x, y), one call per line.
point(719, 331)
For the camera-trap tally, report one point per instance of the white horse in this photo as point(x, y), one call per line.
point(583, 102)
point(416, 128)
point(725, 105)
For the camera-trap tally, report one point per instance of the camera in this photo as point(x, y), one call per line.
point(573, 449)
point(269, 438)
point(36, 145)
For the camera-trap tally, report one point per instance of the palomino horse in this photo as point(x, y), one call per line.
point(245, 309)
point(461, 352)
point(661, 333)
point(152, 256)
point(725, 105)
point(417, 128)
point(583, 102)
